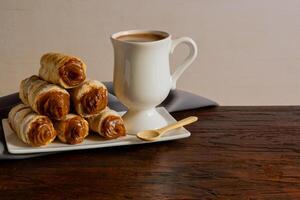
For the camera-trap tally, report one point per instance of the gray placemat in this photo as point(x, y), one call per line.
point(177, 100)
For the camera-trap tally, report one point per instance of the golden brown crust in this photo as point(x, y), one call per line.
point(108, 123)
point(72, 72)
point(113, 127)
point(61, 69)
point(41, 132)
point(90, 98)
point(54, 104)
point(45, 98)
point(94, 100)
point(76, 130)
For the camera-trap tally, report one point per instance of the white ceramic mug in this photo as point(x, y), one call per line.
point(142, 78)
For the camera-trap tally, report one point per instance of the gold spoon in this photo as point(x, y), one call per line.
point(152, 135)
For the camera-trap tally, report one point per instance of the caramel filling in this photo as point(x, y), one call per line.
point(41, 132)
point(54, 104)
point(76, 131)
point(95, 100)
point(72, 72)
point(113, 127)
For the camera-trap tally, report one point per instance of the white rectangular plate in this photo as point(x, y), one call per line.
point(16, 146)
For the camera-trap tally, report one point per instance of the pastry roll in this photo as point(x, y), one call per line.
point(31, 128)
point(45, 98)
point(108, 124)
point(64, 70)
point(89, 98)
point(72, 129)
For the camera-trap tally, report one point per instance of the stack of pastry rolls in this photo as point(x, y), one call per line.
point(47, 100)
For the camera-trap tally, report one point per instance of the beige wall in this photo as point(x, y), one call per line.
point(249, 51)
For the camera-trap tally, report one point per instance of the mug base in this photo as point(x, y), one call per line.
point(140, 120)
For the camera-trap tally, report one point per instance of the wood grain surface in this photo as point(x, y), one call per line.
point(233, 153)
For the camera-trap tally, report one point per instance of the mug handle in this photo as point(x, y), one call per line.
point(187, 61)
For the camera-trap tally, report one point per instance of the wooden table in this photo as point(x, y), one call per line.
point(233, 153)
